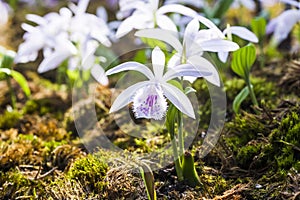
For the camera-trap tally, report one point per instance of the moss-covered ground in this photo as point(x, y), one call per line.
point(42, 155)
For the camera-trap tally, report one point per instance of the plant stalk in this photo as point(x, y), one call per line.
point(252, 94)
point(177, 161)
point(12, 94)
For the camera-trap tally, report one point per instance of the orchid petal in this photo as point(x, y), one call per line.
point(63, 50)
point(125, 27)
point(158, 62)
point(203, 64)
point(53, 61)
point(166, 23)
point(285, 23)
point(185, 70)
point(223, 56)
point(176, 8)
point(242, 32)
point(163, 35)
point(190, 32)
point(206, 22)
point(137, 21)
point(174, 60)
point(125, 97)
point(216, 45)
point(131, 66)
point(36, 19)
point(82, 6)
point(178, 99)
point(99, 74)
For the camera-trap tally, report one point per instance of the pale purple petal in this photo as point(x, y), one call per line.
point(131, 66)
point(36, 19)
point(135, 21)
point(178, 99)
point(126, 96)
point(283, 24)
point(223, 56)
point(217, 45)
point(176, 8)
point(242, 32)
point(64, 50)
point(166, 23)
point(203, 64)
point(158, 62)
point(174, 60)
point(53, 61)
point(185, 70)
point(190, 33)
point(99, 74)
point(163, 35)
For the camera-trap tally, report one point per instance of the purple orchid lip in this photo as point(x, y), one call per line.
point(149, 103)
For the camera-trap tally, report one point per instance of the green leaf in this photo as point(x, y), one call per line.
point(7, 61)
point(140, 56)
point(239, 99)
point(258, 26)
point(189, 171)
point(176, 84)
point(148, 179)
point(220, 9)
point(19, 78)
point(243, 59)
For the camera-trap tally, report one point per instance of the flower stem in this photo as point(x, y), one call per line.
point(252, 94)
point(11, 91)
point(175, 154)
point(180, 134)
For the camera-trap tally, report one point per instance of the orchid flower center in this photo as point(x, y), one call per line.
point(149, 103)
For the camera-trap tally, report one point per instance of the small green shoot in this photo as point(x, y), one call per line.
point(6, 64)
point(148, 179)
point(242, 61)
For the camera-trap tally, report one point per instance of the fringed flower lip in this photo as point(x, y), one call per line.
point(148, 96)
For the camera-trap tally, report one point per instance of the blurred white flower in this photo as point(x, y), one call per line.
point(149, 15)
point(148, 97)
point(70, 34)
point(282, 25)
point(4, 12)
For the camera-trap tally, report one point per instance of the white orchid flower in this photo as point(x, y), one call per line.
point(282, 25)
point(148, 97)
point(194, 43)
point(149, 15)
point(72, 34)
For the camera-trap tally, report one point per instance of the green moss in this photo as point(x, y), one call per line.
point(14, 184)
point(9, 119)
point(244, 128)
point(44, 106)
point(246, 155)
point(90, 172)
point(286, 142)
